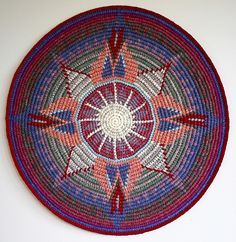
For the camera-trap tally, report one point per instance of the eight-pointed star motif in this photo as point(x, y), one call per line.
point(116, 121)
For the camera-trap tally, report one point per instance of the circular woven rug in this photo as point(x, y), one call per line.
point(117, 120)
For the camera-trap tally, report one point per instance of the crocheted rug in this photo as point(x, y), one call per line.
point(117, 120)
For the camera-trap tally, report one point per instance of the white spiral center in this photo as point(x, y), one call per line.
point(116, 120)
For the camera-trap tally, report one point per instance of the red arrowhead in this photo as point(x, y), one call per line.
point(115, 42)
point(42, 121)
point(117, 199)
point(193, 119)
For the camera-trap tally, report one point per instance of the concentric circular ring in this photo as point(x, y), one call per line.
point(113, 118)
point(117, 120)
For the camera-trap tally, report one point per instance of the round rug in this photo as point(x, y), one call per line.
point(117, 120)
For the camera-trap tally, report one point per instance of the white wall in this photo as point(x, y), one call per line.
point(213, 24)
